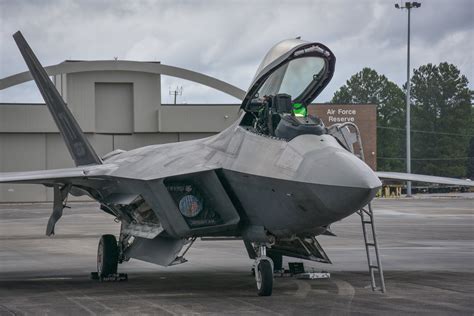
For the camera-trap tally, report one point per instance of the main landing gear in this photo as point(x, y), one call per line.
point(107, 260)
point(107, 256)
point(264, 272)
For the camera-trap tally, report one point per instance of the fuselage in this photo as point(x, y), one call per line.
point(287, 187)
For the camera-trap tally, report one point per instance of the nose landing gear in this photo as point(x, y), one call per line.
point(264, 272)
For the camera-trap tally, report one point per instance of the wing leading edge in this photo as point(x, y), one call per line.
point(53, 176)
point(422, 178)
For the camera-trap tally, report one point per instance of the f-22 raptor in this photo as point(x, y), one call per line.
point(276, 178)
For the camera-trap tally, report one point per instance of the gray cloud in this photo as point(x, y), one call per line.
point(227, 39)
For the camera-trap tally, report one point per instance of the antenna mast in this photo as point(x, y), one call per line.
point(175, 93)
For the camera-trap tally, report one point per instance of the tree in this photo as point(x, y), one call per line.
point(470, 150)
point(367, 86)
point(441, 108)
point(470, 161)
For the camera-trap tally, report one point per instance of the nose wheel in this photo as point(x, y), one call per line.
point(264, 273)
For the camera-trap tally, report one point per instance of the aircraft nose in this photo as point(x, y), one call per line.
point(337, 167)
point(342, 182)
point(353, 171)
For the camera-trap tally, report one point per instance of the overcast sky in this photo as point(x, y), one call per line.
point(228, 39)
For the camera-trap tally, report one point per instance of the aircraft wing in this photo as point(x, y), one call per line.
point(422, 178)
point(62, 181)
point(55, 176)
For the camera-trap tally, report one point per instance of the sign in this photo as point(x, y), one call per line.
point(341, 115)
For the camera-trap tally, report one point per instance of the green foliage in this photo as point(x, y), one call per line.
point(367, 86)
point(440, 103)
point(470, 151)
point(470, 161)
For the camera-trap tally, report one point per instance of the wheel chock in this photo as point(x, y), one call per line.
point(116, 277)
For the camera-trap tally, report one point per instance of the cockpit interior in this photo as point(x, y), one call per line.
point(285, 84)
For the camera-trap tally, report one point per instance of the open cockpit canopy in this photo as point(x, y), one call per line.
point(295, 67)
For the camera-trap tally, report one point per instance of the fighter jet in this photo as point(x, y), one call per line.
point(276, 178)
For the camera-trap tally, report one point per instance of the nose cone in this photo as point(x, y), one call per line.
point(342, 182)
point(352, 172)
point(337, 167)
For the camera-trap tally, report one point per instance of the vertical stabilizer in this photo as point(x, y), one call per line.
point(79, 147)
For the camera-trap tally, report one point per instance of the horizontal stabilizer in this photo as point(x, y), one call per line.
point(79, 147)
point(422, 178)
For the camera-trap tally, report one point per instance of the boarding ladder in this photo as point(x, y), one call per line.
point(344, 134)
point(372, 248)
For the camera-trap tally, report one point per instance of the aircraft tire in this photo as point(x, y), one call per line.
point(107, 256)
point(264, 277)
point(277, 260)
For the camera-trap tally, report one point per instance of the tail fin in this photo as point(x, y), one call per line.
point(79, 147)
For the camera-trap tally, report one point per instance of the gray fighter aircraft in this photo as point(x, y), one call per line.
point(273, 178)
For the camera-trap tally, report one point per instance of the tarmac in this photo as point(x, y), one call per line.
point(426, 245)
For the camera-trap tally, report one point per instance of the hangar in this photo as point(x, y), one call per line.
point(118, 105)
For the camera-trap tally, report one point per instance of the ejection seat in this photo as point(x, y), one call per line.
point(273, 116)
point(291, 126)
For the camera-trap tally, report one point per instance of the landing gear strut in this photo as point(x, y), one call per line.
point(264, 272)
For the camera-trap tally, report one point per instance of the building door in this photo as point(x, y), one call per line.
point(114, 107)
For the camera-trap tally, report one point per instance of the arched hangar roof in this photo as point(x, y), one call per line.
point(125, 65)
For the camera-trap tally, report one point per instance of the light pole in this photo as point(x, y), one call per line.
point(408, 6)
